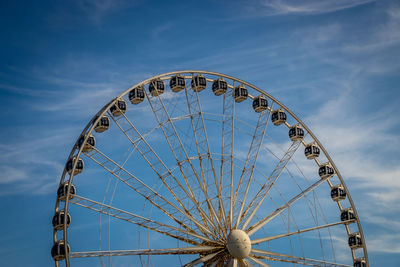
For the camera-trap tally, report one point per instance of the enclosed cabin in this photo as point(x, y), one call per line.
point(240, 93)
point(311, 151)
point(89, 145)
point(326, 171)
point(63, 189)
point(260, 103)
point(360, 262)
point(136, 95)
point(103, 124)
point(58, 220)
point(278, 117)
point(355, 241)
point(338, 193)
point(156, 87)
point(296, 133)
point(347, 215)
point(58, 250)
point(219, 86)
point(70, 164)
point(199, 83)
point(177, 83)
point(118, 108)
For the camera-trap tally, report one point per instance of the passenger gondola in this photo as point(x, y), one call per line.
point(296, 132)
point(89, 145)
point(347, 215)
point(156, 87)
point(355, 241)
point(78, 168)
point(118, 108)
point(199, 83)
point(240, 94)
point(102, 125)
point(338, 193)
point(219, 86)
point(260, 103)
point(136, 95)
point(58, 250)
point(177, 83)
point(58, 220)
point(278, 117)
point(326, 171)
point(63, 189)
point(360, 262)
point(311, 151)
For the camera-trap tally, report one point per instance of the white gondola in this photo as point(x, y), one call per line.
point(219, 86)
point(58, 250)
point(347, 215)
point(240, 93)
point(278, 117)
point(136, 95)
point(102, 125)
point(326, 171)
point(177, 83)
point(360, 262)
point(311, 151)
point(260, 103)
point(118, 108)
point(338, 193)
point(89, 145)
point(296, 132)
point(63, 189)
point(199, 83)
point(355, 241)
point(58, 220)
point(78, 168)
point(156, 87)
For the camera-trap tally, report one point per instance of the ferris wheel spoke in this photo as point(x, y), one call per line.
point(264, 190)
point(227, 142)
point(214, 263)
point(203, 148)
point(141, 188)
point(251, 159)
point(258, 261)
point(161, 170)
point(168, 230)
point(203, 259)
point(269, 238)
point(188, 171)
point(255, 227)
point(164, 251)
point(274, 256)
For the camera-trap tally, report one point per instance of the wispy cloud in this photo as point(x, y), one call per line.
point(387, 243)
point(30, 166)
point(309, 7)
point(160, 29)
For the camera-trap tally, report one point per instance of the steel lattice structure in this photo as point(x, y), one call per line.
point(204, 179)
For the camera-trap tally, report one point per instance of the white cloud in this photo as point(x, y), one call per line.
point(31, 166)
point(387, 243)
point(160, 29)
point(11, 174)
point(309, 7)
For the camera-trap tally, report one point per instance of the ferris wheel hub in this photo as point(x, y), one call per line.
point(239, 244)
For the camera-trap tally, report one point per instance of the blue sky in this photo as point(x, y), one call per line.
point(334, 63)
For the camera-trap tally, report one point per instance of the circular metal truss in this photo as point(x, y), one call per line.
point(178, 168)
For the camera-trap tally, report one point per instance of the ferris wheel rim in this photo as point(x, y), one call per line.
point(91, 124)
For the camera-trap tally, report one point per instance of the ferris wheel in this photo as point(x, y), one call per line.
point(197, 168)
